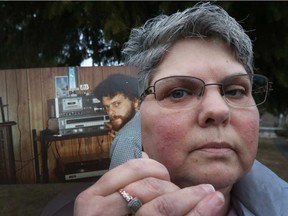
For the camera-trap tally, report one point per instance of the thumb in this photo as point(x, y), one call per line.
point(144, 155)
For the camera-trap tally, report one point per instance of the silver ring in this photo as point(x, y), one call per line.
point(133, 203)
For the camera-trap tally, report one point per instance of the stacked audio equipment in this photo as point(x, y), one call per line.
point(76, 114)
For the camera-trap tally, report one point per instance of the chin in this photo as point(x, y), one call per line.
point(220, 178)
point(117, 127)
point(222, 181)
point(219, 184)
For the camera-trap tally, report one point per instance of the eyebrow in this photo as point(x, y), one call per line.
point(234, 74)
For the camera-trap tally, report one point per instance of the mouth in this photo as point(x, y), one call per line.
point(216, 148)
point(115, 119)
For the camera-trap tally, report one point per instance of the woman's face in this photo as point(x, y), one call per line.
point(210, 142)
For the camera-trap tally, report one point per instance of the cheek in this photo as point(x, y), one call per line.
point(248, 129)
point(162, 136)
point(124, 107)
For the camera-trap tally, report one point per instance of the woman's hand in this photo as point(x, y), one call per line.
point(149, 181)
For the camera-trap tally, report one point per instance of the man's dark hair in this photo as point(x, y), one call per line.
point(117, 84)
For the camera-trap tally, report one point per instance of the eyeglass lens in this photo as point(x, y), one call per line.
point(240, 90)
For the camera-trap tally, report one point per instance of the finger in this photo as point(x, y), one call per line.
point(111, 134)
point(88, 204)
point(211, 205)
point(131, 171)
point(144, 155)
point(108, 125)
point(149, 188)
point(179, 202)
point(152, 188)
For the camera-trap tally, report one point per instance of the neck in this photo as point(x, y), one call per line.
point(226, 192)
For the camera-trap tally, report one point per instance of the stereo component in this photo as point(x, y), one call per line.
point(77, 114)
point(73, 106)
point(82, 166)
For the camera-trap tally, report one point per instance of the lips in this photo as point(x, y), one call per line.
point(114, 119)
point(216, 148)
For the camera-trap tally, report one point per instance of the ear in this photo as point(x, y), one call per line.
point(136, 103)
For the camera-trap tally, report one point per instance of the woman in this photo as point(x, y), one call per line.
point(199, 124)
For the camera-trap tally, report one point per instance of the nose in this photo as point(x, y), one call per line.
point(110, 111)
point(213, 109)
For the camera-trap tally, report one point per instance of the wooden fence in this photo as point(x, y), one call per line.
point(26, 92)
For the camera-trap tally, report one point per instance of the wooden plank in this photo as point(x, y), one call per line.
point(36, 104)
point(34, 79)
point(25, 140)
point(18, 111)
point(3, 92)
point(12, 102)
point(91, 76)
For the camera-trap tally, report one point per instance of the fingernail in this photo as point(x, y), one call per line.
point(144, 155)
point(208, 188)
point(217, 200)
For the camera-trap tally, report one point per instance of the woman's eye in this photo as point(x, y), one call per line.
point(235, 91)
point(180, 93)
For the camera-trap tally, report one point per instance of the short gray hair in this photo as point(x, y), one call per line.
point(148, 44)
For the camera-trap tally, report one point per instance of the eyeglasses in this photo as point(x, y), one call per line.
point(178, 92)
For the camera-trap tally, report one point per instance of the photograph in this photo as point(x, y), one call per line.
point(61, 86)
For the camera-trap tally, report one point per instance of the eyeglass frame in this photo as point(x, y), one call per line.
point(152, 90)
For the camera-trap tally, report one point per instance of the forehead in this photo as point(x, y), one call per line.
point(210, 60)
point(117, 98)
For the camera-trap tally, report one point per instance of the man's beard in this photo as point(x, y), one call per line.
point(124, 119)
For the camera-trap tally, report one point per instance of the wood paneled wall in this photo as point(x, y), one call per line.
point(26, 92)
